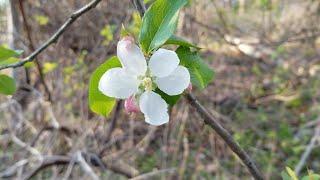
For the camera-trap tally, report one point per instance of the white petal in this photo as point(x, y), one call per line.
point(118, 83)
point(154, 108)
point(176, 82)
point(131, 57)
point(163, 62)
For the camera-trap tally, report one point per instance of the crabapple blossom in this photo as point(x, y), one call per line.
point(137, 79)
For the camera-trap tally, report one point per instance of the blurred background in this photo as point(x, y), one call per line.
point(266, 58)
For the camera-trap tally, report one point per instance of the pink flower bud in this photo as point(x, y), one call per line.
point(130, 105)
point(127, 42)
point(128, 38)
point(189, 88)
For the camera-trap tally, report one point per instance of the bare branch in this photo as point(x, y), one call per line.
point(113, 120)
point(47, 162)
point(139, 5)
point(9, 172)
point(74, 16)
point(226, 136)
point(308, 150)
point(150, 175)
point(85, 166)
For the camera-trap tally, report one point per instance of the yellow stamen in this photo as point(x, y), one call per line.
point(147, 83)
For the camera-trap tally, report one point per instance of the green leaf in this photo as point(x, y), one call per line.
point(6, 53)
point(29, 64)
point(171, 100)
point(98, 102)
point(7, 85)
point(291, 173)
point(8, 61)
point(200, 73)
point(181, 42)
point(311, 177)
point(285, 176)
point(159, 23)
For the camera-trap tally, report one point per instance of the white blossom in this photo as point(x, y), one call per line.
point(139, 79)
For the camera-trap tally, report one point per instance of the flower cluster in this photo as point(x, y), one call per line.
point(137, 80)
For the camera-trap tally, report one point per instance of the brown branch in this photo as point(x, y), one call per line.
point(304, 157)
point(74, 16)
point(32, 48)
point(63, 129)
point(114, 120)
point(226, 136)
point(91, 158)
point(139, 5)
point(47, 162)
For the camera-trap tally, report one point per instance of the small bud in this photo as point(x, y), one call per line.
point(126, 43)
point(189, 88)
point(130, 105)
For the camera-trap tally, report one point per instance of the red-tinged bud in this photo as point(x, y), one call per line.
point(130, 105)
point(128, 41)
point(189, 88)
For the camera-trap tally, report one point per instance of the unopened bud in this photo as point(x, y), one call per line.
point(130, 105)
point(189, 88)
point(125, 43)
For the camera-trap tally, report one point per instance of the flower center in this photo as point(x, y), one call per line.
point(147, 83)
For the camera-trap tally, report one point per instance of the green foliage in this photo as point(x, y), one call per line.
point(29, 64)
point(285, 176)
point(41, 20)
point(200, 73)
point(107, 33)
point(171, 100)
point(291, 173)
point(134, 27)
point(8, 61)
point(146, 163)
point(311, 177)
point(175, 40)
point(6, 53)
point(98, 102)
point(159, 23)
point(7, 85)
point(49, 67)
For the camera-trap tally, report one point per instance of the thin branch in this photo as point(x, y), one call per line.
point(32, 48)
point(114, 120)
point(152, 174)
point(139, 5)
point(226, 136)
point(29, 148)
point(85, 166)
point(9, 172)
point(74, 16)
point(47, 162)
point(62, 129)
point(55, 160)
point(307, 152)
